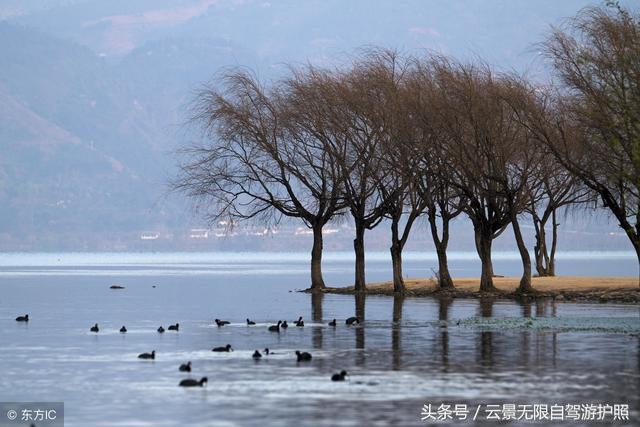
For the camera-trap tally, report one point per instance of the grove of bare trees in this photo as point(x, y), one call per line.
point(391, 138)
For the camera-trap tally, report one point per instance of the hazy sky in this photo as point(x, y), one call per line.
point(502, 31)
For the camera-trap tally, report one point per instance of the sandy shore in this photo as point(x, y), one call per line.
point(617, 289)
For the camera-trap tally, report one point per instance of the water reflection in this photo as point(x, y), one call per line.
point(525, 305)
point(316, 316)
point(486, 337)
point(533, 342)
point(452, 346)
point(543, 307)
point(444, 304)
point(360, 300)
point(396, 328)
point(546, 343)
point(638, 352)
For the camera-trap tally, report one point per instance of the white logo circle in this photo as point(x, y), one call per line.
point(12, 415)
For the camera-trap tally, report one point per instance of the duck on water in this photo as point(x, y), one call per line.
point(352, 320)
point(151, 355)
point(185, 367)
point(340, 376)
point(275, 328)
point(24, 318)
point(227, 348)
point(303, 356)
point(193, 383)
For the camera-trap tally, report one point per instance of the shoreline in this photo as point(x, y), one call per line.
point(559, 288)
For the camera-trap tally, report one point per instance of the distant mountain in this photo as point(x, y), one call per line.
point(87, 143)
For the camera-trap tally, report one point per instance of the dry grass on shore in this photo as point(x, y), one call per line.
point(510, 284)
point(619, 289)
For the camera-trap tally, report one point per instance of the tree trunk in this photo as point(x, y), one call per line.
point(317, 283)
point(358, 246)
point(525, 280)
point(396, 258)
point(483, 246)
point(444, 278)
point(540, 247)
point(545, 259)
point(551, 269)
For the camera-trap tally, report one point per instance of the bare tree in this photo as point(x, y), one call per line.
point(557, 190)
point(399, 180)
point(522, 170)
point(359, 119)
point(596, 120)
point(404, 200)
point(257, 163)
point(309, 93)
point(492, 157)
point(429, 163)
point(468, 117)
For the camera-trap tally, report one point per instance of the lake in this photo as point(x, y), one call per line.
point(407, 352)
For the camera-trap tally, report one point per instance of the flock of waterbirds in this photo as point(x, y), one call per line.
point(301, 356)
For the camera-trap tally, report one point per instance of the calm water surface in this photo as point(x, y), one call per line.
point(408, 352)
